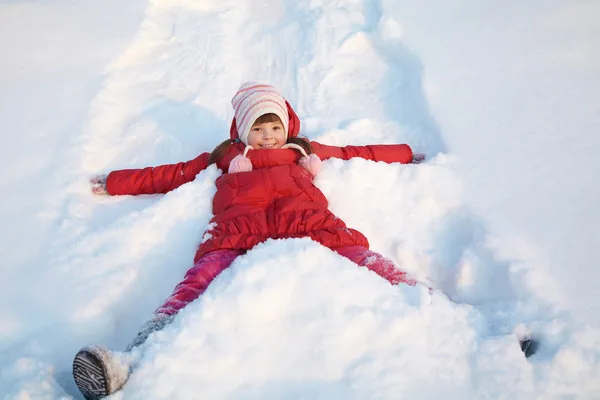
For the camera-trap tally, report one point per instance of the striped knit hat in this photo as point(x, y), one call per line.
point(254, 100)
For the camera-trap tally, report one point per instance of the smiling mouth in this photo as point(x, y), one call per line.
point(267, 146)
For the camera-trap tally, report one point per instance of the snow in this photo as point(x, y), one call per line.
point(501, 96)
point(515, 89)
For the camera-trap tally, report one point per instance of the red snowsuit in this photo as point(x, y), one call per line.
point(277, 199)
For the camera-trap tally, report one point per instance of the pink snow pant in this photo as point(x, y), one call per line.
point(212, 264)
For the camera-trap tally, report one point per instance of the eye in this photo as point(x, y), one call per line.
point(277, 128)
point(256, 128)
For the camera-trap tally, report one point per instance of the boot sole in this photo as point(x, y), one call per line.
point(90, 377)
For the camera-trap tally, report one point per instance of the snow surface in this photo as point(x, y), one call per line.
point(501, 220)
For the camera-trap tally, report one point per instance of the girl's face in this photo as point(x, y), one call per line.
point(266, 135)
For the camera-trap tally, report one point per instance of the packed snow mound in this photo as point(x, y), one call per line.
point(296, 320)
point(293, 319)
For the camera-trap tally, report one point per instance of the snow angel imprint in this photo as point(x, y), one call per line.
point(266, 191)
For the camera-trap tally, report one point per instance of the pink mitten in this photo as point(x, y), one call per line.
point(98, 183)
point(312, 163)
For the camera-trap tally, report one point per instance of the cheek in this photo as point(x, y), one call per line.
point(252, 138)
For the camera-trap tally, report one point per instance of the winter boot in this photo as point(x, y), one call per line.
point(99, 372)
point(529, 346)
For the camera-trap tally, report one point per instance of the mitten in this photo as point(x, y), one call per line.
point(98, 183)
point(418, 158)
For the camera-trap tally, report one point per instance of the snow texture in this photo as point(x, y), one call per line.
point(485, 91)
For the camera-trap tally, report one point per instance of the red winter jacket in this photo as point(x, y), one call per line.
point(277, 199)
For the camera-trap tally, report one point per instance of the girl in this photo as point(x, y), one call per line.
point(266, 191)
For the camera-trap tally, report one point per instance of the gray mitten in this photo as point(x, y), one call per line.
point(98, 183)
point(418, 158)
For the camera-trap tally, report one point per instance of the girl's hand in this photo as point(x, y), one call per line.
point(98, 183)
point(418, 158)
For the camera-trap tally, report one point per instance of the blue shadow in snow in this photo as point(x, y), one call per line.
point(196, 128)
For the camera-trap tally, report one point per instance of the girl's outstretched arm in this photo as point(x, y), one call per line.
point(388, 153)
point(150, 180)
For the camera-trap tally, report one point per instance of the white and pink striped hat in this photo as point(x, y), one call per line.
point(254, 100)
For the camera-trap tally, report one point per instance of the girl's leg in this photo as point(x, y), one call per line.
point(197, 279)
point(195, 282)
point(99, 372)
point(377, 263)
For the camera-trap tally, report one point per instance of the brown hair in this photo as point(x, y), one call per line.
point(222, 148)
point(267, 118)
